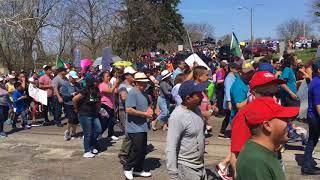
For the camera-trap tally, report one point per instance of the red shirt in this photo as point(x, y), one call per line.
point(240, 131)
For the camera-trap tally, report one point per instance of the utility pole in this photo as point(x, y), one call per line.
point(251, 29)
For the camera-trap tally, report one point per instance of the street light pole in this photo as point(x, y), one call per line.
point(251, 29)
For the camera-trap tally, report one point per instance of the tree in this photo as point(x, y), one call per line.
point(148, 23)
point(94, 18)
point(225, 40)
point(315, 8)
point(293, 29)
point(199, 31)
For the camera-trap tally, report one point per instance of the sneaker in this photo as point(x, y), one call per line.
point(222, 171)
point(67, 135)
point(128, 175)
point(59, 125)
point(114, 138)
point(94, 151)
point(88, 155)
point(27, 127)
point(222, 137)
point(3, 135)
point(209, 128)
point(142, 174)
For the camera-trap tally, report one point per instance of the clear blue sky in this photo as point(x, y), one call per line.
point(225, 16)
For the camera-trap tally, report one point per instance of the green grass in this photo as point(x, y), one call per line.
point(306, 54)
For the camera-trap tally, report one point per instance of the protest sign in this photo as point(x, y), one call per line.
point(194, 59)
point(106, 58)
point(77, 56)
point(38, 95)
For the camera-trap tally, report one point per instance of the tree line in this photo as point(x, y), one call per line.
point(56, 27)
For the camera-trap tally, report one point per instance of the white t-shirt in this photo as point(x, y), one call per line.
point(175, 94)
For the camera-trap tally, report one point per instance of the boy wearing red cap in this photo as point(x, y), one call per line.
point(268, 126)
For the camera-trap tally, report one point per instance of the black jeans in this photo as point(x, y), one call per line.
point(219, 96)
point(137, 153)
point(225, 121)
point(4, 110)
point(107, 122)
point(48, 108)
point(314, 133)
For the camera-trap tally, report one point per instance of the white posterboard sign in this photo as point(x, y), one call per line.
point(195, 59)
point(38, 95)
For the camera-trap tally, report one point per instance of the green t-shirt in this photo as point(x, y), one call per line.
point(256, 162)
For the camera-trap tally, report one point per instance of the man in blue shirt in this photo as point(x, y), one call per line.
point(240, 89)
point(228, 82)
point(179, 70)
point(308, 167)
point(20, 105)
point(139, 110)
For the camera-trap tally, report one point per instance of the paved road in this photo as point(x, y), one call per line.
point(42, 153)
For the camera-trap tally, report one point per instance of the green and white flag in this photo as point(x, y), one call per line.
point(235, 47)
point(60, 63)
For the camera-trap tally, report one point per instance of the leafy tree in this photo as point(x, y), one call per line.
point(148, 23)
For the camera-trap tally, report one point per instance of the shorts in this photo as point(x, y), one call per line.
point(70, 114)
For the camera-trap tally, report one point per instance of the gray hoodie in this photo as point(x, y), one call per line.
point(185, 141)
point(4, 98)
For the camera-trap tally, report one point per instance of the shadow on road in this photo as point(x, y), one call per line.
point(104, 143)
point(294, 147)
point(152, 164)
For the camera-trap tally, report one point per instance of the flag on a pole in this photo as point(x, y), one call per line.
point(60, 63)
point(235, 47)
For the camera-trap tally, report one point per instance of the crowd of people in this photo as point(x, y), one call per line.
point(258, 101)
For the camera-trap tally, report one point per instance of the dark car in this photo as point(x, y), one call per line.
point(224, 53)
point(261, 50)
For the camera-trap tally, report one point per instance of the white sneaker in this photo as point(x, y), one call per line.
point(142, 174)
point(114, 138)
point(209, 128)
point(27, 127)
point(67, 135)
point(88, 155)
point(128, 175)
point(94, 151)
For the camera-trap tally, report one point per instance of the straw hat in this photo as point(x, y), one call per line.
point(165, 74)
point(129, 70)
point(141, 77)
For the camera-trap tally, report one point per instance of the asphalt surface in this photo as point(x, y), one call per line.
point(42, 153)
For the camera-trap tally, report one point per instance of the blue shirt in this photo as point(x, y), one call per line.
point(239, 93)
point(19, 105)
point(67, 89)
point(138, 101)
point(228, 82)
point(290, 78)
point(176, 72)
point(314, 97)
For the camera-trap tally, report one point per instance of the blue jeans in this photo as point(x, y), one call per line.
point(91, 129)
point(164, 109)
point(24, 118)
point(314, 133)
point(57, 110)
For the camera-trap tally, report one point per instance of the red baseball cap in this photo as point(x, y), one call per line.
point(265, 109)
point(263, 77)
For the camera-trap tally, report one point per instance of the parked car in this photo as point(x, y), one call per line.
point(261, 50)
